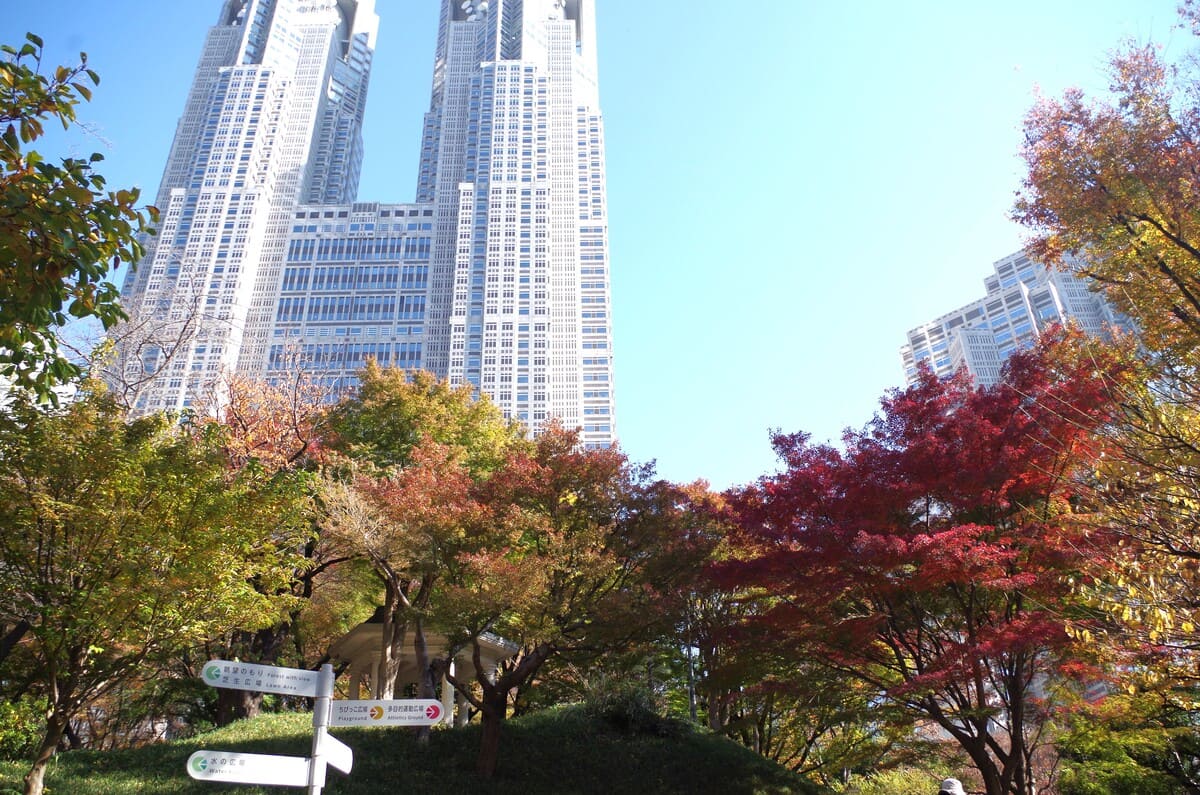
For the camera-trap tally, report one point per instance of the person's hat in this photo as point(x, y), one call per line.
point(952, 786)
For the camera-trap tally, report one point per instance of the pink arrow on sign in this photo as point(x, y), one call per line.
point(433, 712)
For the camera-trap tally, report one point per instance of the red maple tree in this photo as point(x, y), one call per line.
point(930, 559)
point(585, 553)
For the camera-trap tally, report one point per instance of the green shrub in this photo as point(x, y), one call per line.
point(1137, 748)
point(631, 708)
point(1114, 776)
point(902, 781)
point(22, 723)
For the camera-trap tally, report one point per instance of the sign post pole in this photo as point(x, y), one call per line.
point(283, 771)
point(317, 763)
point(327, 750)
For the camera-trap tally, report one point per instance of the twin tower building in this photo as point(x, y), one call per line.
point(497, 275)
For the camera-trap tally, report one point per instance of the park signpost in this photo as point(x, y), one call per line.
point(262, 678)
point(327, 750)
point(281, 771)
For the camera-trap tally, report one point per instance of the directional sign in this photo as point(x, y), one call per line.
point(338, 753)
point(261, 678)
point(234, 768)
point(398, 712)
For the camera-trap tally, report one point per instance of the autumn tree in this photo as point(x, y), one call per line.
point(815, 720)
point(930, 559)
point(278, 425)
point(411, 524)
point(275, 431)
point(61, 231)
point(1113, 191)
point(648, 677)
point(800, 713)
point(394, 410)
point(1146, 492)
point(582, 550)
point(417, 447)
point(734, 678)
point(125, 544)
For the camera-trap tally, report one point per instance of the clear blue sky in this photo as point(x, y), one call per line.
point(792, 186)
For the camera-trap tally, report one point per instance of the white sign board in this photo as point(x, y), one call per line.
point(337, 753)
point(234, 768)
point(261, 678)
point(397, 712)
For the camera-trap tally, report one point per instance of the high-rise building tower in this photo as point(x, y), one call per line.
point(498, 274)
point(273, 118)
point(512, 160)
point(1023, 298)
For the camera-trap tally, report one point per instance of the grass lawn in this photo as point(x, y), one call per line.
point(558, 752)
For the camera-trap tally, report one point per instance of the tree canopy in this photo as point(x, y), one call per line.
point(1113, 191)
point(582, 545)
point(930, 560)
point(125, 543)
point(62, 232)
point(393, 410)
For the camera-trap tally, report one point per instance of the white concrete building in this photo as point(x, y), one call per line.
point(498, 275)
point(1023, 298)
point(512, 160)
point(355, 286)
point(273, 118)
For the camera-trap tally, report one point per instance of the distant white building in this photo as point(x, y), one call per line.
point(1023, 298)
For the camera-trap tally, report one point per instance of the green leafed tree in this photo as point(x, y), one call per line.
point(394, 410)
point(62, 231)
point(122, 544)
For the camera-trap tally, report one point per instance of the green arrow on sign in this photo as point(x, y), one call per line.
point(212, 672)
point(199, 764)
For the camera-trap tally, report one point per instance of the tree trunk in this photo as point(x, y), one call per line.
point(74, 741)
point(394, 634)
point(718, 709)
point(395, 630)
point(425, 685)
point(494, 708)
point(56, 726)
point(494, 702)
point(262, 647)
point(12, 636)
point(691, 670)
point(237, 705)
point(992, 781)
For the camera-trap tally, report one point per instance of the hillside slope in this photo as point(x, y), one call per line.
point(558, 752)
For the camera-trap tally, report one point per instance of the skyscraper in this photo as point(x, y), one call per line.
point(512, 159)
point(273, 118)
point(1023, 298)
point(497, 275)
